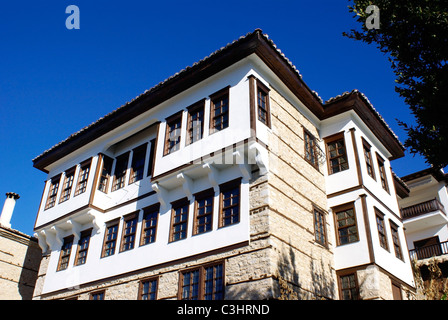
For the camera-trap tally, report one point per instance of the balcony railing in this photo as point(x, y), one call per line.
point(429, 251)
point(422, 208)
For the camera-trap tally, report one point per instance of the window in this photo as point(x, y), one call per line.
point(82, 178)
point(129, 230)
point(203, 212)
point(381, 229)
point(151, 157)
point(99, 295)
point(382, 173)
point(396, 240)
point(347, 230)
point(195, 126)
point(179, 219)
point(120, 171)
point(138, 164)
point(110, 238)
point(105, 173)
point(310, 148)
point(219, 110)
point(336, 154)
point(53, 192)
point(83, 247)
point(67, 185)
point(149, 225)
point(202, 283)
point(64, 256)
point(263, 104)
point(368, 158)
point(320, 233)
point(230, 203)
point(349, 287)
point(148, 289)
point(172, 133)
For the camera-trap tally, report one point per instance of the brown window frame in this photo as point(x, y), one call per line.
point(382, 170)
point(66, 250)
point(219, 96)
point(101, 293)
point(334, 139)
point(353, 290)
point(129, 231)
point(83, 177)
point(53, 192)
point(106, 172)
point(200, 196)
point(366, 147)
point(195, 112)
point(396, 240)
point(381, 227)
point(174, 119)
point(120, 177)
point(80, 258)
point(263, 92)
point(67, 185)
point(181, 203)
point(111, 224)
point(310, 147)
point(149, 211)
point(234, 184)
point(320, 229)
point(141, 286)
point(138, 163)
point(344, 208)
point(201, 284)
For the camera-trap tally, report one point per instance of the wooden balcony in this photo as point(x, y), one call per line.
point(422, 208)
point(429, 251)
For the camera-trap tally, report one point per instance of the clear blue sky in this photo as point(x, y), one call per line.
point(55, 81)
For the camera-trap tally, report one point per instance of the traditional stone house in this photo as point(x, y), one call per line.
point(218, 182)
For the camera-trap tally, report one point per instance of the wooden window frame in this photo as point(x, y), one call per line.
point(153, 209)
point(120, 177)
point(382, 171)
point(99, 292)
point(320, 229)
point(83, 177)
point(129, 231)
point(79, 260)
point(151, 161)
point(106, 173)
point(209, 193)
point(53, 192)
point(236, 183)
point(310, 148)
point(141, 287)
point(138, 171)
point(343, 208)
point(356, 287)
point(381, 227)
point(67, 185)
point(213, 98)
point(366, 147)
point(332, 139)
point(202, 280)
point(66, 250)
point(264, 90)
point(175, 118)
point(394, 230)
point(192, 110)
point(110, 224)
point(176, 205)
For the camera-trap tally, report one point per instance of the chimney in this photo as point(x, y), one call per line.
point(8, 208)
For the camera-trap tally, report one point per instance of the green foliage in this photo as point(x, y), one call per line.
point(414, 36)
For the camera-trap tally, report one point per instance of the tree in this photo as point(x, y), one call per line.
point(414, 36)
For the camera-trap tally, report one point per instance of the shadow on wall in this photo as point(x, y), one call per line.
point(30, 269)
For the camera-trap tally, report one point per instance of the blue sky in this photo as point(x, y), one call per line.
point(55, 81)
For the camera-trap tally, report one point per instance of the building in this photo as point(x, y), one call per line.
point(424, 211)
point(221, 181)
point(20, 257)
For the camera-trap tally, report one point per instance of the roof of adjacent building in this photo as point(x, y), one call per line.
point(254, 42)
